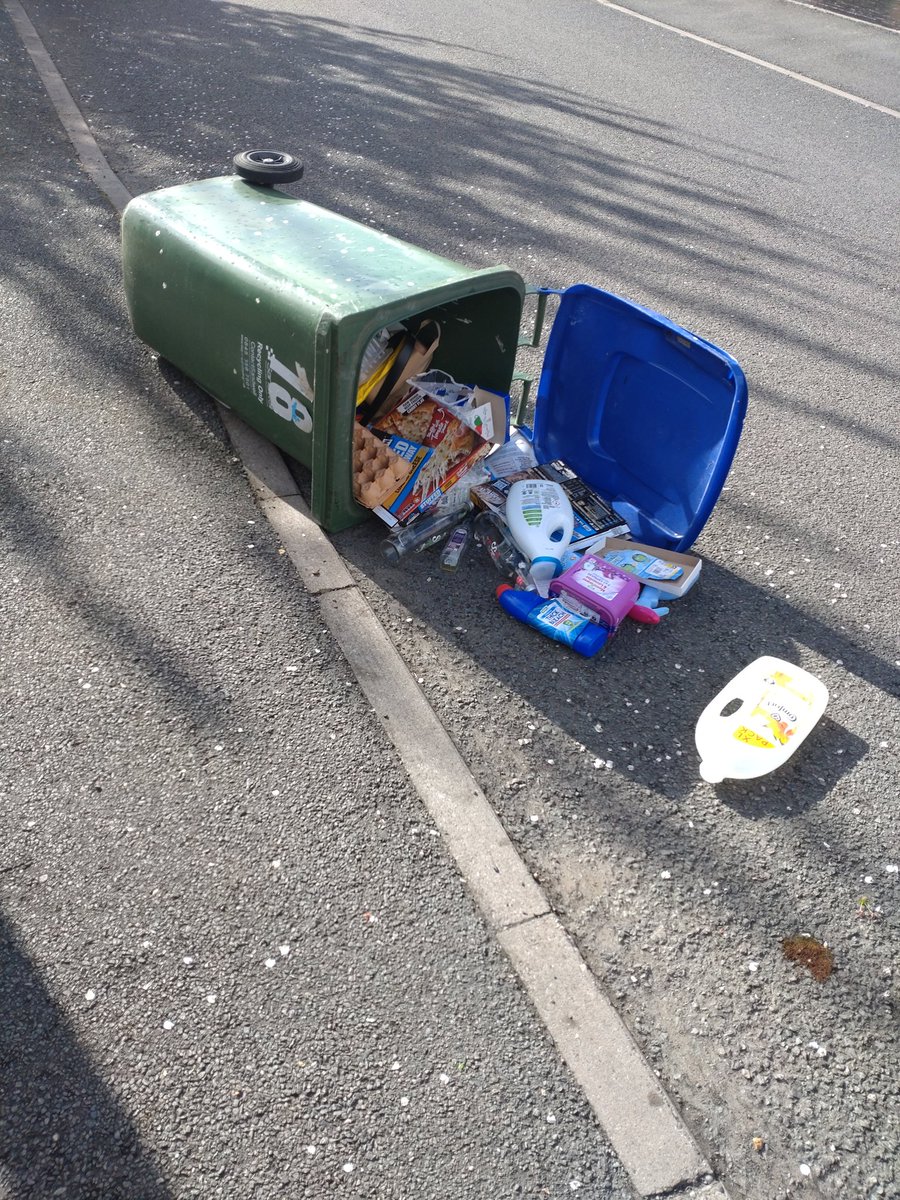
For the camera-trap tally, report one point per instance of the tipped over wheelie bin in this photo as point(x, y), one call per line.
point(268, 303)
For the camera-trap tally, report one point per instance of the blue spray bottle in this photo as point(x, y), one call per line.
point(553, 620)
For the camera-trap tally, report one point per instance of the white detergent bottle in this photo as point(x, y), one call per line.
point(758, 720)
point(540, 519)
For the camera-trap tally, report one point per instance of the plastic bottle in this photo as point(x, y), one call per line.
point(779, 704)
point(506, 556)
point(540, 519)
point(404, 538)
point(455, 546)
point(553, 620)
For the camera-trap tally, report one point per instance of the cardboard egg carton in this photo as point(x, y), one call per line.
point(377, 471)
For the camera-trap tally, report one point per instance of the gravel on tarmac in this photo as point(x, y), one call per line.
point(234, 958)
point(584, 145)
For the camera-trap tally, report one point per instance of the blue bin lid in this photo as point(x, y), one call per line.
point(645, 412)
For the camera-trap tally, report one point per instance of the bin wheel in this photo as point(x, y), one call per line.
point(267, 167)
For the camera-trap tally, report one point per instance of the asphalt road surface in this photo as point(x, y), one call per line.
point(575, 143)
point(877, 12)
point(235, 959)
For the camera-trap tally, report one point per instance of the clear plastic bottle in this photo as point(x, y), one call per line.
point(506, 556)
point(455, 546)
point(425, 530)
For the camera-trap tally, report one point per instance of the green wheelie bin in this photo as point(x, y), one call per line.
point(268, 303)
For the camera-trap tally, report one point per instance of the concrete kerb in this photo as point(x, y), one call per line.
point(92, 158)
point(640, 1120)
point(648, 1135)
point(646, 1132)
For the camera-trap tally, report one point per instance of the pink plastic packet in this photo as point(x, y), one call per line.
point(596, 589)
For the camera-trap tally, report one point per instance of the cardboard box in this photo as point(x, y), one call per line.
point(447, 445)
point(689, 563)
point(594, 518)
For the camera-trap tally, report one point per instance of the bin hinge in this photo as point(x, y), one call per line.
point(532, 341)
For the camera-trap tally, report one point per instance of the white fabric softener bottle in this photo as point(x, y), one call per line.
point(540, 519)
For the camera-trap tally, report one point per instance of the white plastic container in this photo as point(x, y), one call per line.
point(540, 519)
point(779, 705)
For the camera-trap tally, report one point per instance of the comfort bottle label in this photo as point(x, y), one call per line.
point(774, 718)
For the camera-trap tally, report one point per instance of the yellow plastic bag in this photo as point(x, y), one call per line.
point(378, 376)
point(387, 384)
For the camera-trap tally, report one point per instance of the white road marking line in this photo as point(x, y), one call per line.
point(751, 58)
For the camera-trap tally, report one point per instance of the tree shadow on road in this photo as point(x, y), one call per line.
point(429, 141)
point(436, 142)
point(62, 1130)
point(73, 583)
